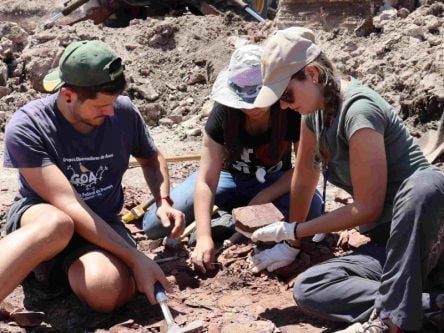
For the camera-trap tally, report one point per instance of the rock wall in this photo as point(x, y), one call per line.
point(332, 12)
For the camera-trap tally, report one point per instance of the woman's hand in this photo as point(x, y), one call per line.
point(203, 255)
point(280, 255)
point(275, 232)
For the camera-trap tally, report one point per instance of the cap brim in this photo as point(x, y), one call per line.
point(270, 93)
point(223, 94)
point(52, 81)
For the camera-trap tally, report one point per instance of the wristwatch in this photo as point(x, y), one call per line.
point(166, 198)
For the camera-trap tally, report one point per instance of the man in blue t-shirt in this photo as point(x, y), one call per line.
point(72, 149)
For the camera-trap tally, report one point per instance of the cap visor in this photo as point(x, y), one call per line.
point(270, 93)
point(52, 81)
point(223, 94)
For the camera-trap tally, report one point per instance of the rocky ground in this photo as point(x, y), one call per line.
point(171, 64)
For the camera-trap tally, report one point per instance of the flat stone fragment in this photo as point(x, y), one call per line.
point(236, 328)
point(28, 318)
point(250, 218)
point(234, 299)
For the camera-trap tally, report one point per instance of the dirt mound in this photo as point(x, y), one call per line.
point(401, 58)
point(171, 63)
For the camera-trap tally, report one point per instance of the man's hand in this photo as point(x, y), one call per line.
point(275, 232)
point(203, 255)
point(280, 255)
point(169, 215)
point(146, 272)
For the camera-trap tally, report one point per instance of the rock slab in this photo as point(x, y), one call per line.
point(250, 218)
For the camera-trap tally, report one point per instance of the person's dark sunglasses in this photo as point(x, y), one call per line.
point(287, 96)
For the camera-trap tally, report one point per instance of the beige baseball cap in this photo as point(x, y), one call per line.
point(285, 53)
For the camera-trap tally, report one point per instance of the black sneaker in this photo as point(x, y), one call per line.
point(435, 315)
point(371, 326)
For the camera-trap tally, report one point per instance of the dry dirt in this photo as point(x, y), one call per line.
point(171, 64)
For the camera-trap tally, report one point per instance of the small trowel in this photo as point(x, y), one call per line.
point(172, 327)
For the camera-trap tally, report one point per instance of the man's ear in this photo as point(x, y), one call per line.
point(67, 94)
point(312, 73)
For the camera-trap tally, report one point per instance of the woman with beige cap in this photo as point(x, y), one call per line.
point(352, 134)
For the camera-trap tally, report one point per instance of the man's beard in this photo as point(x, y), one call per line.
point(96, 122)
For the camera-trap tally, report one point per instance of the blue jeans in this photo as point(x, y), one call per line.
point(233, 190)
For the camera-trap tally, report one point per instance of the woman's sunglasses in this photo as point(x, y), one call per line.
point(287, 96)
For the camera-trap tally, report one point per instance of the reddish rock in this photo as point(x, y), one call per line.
point(127, 326)
point(150, 245)
point(151, 112)
point(356, 239)
point(11, 328)
point(235, 298)
point(4, 91)
point(6, 309)
point(352, 239)
point(237, 327)
point(133, 229)
point(197, 78)
point(28, 318)
point(250, 218)
point(343, 197)
point(144, 89)
point(214, 328)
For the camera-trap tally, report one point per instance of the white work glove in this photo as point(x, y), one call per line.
point(318, 238)
point(278, 232)
point(278, 256)
point(275, 232)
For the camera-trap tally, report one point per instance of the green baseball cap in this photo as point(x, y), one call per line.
point(85, 63)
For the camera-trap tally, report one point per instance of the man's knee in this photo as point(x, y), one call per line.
point(51, 226)
point(101, 281)
point(60, 224)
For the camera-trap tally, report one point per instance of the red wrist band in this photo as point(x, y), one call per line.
point(166, 198)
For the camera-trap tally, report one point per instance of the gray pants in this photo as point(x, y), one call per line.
point(390, 278)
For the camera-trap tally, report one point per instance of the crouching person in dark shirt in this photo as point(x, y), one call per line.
point(72, 149)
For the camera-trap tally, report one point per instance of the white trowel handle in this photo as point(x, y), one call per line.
point(161, 297)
